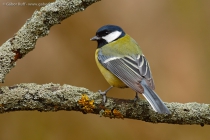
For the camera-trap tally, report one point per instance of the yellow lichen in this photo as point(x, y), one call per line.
point(107, 113)
point(86, 105)
point(117, 114)
point(112, 114)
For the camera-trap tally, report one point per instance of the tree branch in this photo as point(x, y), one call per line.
point(37, 26)
point(53, 97)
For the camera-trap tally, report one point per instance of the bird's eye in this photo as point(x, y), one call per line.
point(103, 33)
point(106, 32)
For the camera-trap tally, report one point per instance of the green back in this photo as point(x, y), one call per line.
point(122, 47)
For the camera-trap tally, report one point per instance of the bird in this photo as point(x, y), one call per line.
point(123, 65)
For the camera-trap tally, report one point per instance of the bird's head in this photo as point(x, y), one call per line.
point(107, 34)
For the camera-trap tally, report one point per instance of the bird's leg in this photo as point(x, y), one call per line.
point(103, 93)
point(136, 97)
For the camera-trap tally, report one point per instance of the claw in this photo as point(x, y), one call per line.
point(103, 93)
point(136, 97)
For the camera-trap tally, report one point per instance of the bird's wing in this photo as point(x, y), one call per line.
point(130, 69)
point(145, 71)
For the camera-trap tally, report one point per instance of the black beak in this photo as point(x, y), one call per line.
point(95, 38)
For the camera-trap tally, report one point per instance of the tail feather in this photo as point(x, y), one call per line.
point(156, 103)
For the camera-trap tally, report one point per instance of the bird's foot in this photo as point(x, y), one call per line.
point(136, 97)
point(103, 94)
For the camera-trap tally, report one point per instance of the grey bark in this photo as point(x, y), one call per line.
point(53, 97)
point(37, 26)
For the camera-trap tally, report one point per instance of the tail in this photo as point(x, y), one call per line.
point(156, 103)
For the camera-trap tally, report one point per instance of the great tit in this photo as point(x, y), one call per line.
point(122, 63)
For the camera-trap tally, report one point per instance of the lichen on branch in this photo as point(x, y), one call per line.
point(54, 97)
point(35, 27)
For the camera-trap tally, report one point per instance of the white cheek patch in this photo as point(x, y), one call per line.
point(112, 36)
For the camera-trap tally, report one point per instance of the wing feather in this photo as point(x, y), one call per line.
point(126, 74)
point(130, 69)
point(145, 71)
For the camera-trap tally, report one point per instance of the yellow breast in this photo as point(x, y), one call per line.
point(110, 78)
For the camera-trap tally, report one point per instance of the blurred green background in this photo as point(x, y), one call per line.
point(174, 36)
